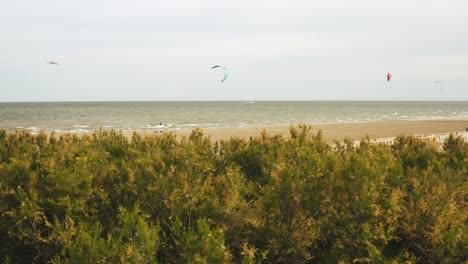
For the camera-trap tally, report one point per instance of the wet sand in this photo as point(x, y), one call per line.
point(353, 131)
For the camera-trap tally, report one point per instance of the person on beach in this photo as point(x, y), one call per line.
point(160, 128)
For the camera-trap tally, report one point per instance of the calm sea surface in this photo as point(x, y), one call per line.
point(89, 116)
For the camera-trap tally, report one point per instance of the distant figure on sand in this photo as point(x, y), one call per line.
point(160, 128)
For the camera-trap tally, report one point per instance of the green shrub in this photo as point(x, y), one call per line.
point(106, 198)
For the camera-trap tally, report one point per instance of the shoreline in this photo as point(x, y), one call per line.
point(382, 130)
point(340, 131)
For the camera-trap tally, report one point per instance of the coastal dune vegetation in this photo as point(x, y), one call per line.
point(106, 198)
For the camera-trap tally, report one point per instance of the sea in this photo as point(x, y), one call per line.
point(79, 117)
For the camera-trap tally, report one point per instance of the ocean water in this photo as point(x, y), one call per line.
point(89, 116)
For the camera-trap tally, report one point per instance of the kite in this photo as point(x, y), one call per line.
point(438, 85)
point(389, 76)
point(225, 71)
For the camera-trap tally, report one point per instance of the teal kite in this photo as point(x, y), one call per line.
point(225, 70)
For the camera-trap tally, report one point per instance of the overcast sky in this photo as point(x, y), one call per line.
point(275, 50)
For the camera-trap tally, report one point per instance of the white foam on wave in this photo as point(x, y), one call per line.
point(156, 127)
point(80, 126)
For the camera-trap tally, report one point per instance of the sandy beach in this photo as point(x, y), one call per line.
point(340, 131)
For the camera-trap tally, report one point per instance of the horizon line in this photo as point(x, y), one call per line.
point(246, 100)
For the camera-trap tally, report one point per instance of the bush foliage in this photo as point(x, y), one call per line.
point(104, 198)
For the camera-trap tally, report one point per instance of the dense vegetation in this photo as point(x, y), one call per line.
point(104, 198)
